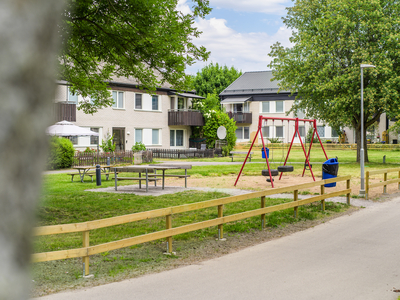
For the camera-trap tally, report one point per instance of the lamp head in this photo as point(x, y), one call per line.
point(367, 66)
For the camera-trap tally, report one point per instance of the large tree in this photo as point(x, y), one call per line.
point(149, 40)
point(331, 39)
point(214, 78)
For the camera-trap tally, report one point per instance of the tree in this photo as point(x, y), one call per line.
point(214, 118)
point(331, 39)
point(214, 79)
point(148, 40)
point(29, 39)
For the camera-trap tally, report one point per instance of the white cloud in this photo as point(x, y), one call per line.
point(244, 51)
point(264, 6)
point(183, 7)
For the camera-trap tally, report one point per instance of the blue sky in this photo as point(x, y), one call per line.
point(240, 33)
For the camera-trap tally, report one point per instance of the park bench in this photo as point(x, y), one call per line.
point(241, 154)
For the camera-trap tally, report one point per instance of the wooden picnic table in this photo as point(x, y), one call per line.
point(84, 170)
point(143, 169)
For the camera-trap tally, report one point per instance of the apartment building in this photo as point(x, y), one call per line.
point(159, 120)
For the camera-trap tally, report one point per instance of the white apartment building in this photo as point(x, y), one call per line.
point(161, 120)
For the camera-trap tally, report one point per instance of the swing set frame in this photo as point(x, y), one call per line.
point(296, 132)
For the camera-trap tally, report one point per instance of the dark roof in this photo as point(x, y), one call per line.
point(253, 83)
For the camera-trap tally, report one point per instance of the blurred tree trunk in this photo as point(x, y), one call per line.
point(29, 44)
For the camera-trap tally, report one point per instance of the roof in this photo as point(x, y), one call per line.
point(258, 82)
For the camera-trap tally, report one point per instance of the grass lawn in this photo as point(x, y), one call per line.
point(65, 202)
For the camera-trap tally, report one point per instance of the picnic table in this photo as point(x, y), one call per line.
point(150, 173)
point(86, 170)
point(240, 154)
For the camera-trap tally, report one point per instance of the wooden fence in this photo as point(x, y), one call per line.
point(384, 183)
point(182, 153)
point(118, 157)
point(169, 232)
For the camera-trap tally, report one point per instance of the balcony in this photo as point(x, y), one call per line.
point(241, 117)
point(185, 117)
point(65, 111)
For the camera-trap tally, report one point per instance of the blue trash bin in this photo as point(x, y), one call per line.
point(263, 154)
point(330, 170)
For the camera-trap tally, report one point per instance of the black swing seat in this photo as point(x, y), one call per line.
point(306, 166)
point(273, 172)
point(269, 179)
point(285, 169)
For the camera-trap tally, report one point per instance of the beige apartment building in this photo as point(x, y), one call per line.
point(160, 120)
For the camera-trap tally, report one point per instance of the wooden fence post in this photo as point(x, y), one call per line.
point(295, 198)
point(366, 185)
point(323, 201)
point(85, 259)
point(385, 186)
point(348, 194)
point(169, 239)
point(399, 182)
point(221, 226)
point(263, 215)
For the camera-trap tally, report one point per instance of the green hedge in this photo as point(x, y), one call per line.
point(61, 153)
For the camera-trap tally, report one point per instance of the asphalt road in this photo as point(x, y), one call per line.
point(351, 257)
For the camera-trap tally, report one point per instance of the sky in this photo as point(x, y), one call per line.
point(239, 33)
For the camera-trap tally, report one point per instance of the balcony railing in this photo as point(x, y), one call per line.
point(241, 117)
point(186, 117)
point(65, 111)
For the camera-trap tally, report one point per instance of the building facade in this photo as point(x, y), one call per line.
point(160, 120)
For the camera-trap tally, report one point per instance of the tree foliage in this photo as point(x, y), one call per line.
point(331, 39)
point(148, 40)
point(214, 79)
point(214, 118)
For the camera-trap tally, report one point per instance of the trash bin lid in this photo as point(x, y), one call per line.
point(332, 161)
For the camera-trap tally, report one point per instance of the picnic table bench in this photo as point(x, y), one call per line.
point(90, 171)
point(175, 166)
point(240, 154)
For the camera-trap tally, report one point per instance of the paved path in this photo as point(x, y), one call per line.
point(351, 257)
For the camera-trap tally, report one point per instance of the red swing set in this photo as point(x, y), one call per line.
point(296, 132)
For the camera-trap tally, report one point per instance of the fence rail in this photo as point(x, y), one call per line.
point(169, 232)
point(384, 183)
point(182, 153)
point(118, 157)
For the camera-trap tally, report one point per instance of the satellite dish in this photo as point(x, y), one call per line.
point(221, 132)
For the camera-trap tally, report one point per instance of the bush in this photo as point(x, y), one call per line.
point(61, 153)
point(108, 145)
point(139, 146)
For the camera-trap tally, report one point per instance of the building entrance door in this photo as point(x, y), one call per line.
point(119, 138)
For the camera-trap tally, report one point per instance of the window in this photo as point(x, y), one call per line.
point(321, 131)
point(176, 138)
point(334, 133)
point(72, 98)
point(138, 101)
point(118, 99)
point(94, 140)
point(74, 140)
point(243, 133)
point(265, 107)
point(154, 102)
point(302, 131)
point(238, 107)
point(279, 107)
point(272, 106)
point(279, 131)
point(300, 114)
point(265, 131)
point(138, 136)
point(154, 136)
point(181, 103)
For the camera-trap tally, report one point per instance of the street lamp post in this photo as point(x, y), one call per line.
point(362, 190)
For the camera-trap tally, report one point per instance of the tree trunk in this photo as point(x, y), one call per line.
point(28, 39)
point(358, 138)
